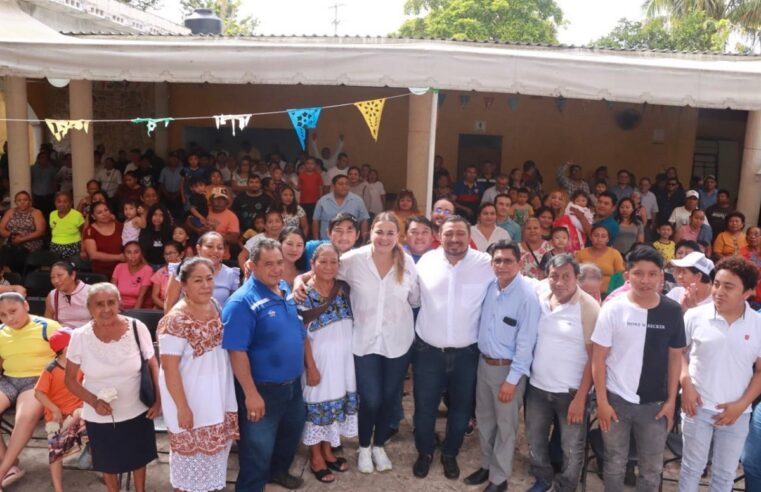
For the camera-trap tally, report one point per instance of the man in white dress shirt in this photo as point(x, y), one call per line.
point(453, 281)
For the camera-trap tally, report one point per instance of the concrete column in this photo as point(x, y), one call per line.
point(161, 110)
point(421, 147)
point(748, 196)
point(82, 144)
point(20, 172)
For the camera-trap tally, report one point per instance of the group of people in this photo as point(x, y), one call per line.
point(568, 306)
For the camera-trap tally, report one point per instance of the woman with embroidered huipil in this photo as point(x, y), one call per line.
point(330, 388)
point(196, 384)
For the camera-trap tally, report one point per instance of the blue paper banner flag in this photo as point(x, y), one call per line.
point(303, 119)
point(442, 98)
point(512, 102)
point(464, 100)
point(152, 123)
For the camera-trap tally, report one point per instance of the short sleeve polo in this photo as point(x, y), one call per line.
point(268, 328)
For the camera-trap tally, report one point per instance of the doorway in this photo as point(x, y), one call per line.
point(474, 150)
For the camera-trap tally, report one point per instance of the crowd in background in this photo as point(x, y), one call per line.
point(295, 298)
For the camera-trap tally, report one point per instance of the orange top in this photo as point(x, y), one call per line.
point(51, 383)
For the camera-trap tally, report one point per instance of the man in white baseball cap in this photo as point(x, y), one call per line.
point(681, 215)
point(693, 276)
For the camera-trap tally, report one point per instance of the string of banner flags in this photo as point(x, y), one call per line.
point(302, 119)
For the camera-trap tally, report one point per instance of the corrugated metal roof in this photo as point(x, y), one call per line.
point(394, 39)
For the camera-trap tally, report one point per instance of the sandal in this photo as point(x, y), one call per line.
point(337, 465)
point(14, 475)
point(321, 475)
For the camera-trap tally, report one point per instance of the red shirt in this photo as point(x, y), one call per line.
point(105, 244)
point(311, 187)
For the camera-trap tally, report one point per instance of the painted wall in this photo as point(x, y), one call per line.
point(584, 131)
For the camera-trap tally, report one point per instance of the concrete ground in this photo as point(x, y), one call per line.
point(401, 450)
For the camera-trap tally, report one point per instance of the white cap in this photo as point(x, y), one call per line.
point(697, 260)
point(692, 194)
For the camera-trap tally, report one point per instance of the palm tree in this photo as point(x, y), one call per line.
point(743, 14)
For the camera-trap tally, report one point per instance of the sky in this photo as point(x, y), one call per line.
point(586, 19)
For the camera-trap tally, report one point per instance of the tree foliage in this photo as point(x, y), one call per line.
point(529, 21)
point(692, 32)
point(233, 23)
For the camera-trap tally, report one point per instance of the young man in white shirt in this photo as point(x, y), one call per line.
point(636, 361)
point(718, 380)
point(561, 375)
point(453, 281)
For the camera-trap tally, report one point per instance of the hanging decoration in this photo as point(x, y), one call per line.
point(241, 119)
point(152, 123)
point(419, 91)
point(60, 128)
point(304, 119)
point(512, 101)
point(464, 100)
point(560, 103)
point(488, 101)
point(442, 98)
point(371, 112)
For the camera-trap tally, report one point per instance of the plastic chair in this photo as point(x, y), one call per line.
point(150, 317)
point(37, 284)
point(13, 278)
point(38, 259)
point(91, 278)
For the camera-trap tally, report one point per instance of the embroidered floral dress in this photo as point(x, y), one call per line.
point(332, 404)
point(198, 457)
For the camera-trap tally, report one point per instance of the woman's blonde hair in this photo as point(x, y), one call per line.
point(398, 252)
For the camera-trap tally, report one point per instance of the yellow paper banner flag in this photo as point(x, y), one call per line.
point(372, 111)
point(59, 128)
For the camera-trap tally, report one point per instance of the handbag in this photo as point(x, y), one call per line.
point(147, 390)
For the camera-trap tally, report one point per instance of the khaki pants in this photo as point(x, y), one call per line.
point(497, 421)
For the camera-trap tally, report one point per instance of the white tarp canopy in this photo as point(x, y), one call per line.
point(697, 80)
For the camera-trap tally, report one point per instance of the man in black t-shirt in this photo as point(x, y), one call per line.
point(251, 203)
point(717, 213)
point(636, 363)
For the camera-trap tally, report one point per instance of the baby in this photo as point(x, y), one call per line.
point(579, 201)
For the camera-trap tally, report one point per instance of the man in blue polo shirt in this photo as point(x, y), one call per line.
point(335, 202)
point(265, 338)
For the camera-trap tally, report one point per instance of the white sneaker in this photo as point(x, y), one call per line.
point(365, 461)
point(380, 458)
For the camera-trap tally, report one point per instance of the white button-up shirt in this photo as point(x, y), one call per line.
point(382, 307)
point(721, 355)
point(451, 297)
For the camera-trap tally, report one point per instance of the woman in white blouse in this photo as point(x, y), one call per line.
point(383, 283)
point(486, 231)
point(109, 351)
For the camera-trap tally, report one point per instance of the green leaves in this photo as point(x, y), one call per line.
point(692, 32)
point(526, 21)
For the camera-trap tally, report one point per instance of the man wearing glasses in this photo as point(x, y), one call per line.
point(669, 199)
point(442, 209)
point(506, 338)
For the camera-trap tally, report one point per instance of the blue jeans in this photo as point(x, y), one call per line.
point(379, 385)
point(433, 371)
point(267, 447)
point(752, 454)
point(728, 441)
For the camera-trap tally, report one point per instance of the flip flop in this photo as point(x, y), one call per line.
point(321, 474)
point(14, 475)
point(337, 465)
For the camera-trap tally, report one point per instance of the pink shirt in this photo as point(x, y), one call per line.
point(161, 277)
point(129, 284)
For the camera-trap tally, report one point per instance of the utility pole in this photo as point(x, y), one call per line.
point(335, 21)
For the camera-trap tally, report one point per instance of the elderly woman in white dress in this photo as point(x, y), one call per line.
point(196, 383)
point(330, 388)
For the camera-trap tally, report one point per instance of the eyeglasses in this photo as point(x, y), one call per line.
point(442, 211)
point(503, 261)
